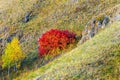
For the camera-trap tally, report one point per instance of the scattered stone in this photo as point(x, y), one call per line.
point(99, 24)
point(105, 21)
point(93, 27)
point(90, 34)
point(9, 39)
point(27, 17)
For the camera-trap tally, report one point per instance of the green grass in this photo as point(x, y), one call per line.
point(47, 14)
point(61, 14)
point(98, 58)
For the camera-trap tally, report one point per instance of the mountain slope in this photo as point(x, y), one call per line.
point(98, 58)
point(46, 14)
point(72, 15)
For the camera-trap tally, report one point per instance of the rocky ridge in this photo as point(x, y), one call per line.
point(95, 25)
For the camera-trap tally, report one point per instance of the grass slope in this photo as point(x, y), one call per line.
point(98, 58)
point(47, 14)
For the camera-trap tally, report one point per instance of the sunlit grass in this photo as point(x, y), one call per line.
point(90, 53)
point(47, 14)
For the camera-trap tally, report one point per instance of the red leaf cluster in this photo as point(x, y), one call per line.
point(54, 39)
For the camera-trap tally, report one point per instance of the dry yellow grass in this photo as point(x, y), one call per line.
point(47, 14)
point(98, 58)
point(62, 14)
point(13, 10)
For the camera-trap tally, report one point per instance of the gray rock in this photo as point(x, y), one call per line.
point(91, 33)
point(9, 39)
point(27, 17)
point(97, 27)
point(105, 21)
point(1, 40)
point(99, 24)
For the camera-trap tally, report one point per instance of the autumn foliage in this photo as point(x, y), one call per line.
point(13, 54)
point(55, 40)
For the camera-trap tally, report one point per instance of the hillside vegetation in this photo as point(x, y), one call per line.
point(98, 58)
point(27, 20)
point(47, 14)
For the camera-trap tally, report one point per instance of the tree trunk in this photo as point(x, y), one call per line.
point(16, 67)
point(9, 72)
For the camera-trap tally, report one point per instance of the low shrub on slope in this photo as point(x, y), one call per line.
point(98, 58)
point(54, 41)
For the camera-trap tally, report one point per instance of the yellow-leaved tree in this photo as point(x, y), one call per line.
point(13, 55)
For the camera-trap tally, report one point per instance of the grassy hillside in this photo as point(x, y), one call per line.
point(98, 58)
point(47, 14)
point(72, 15)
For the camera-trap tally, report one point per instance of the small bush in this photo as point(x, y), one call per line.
point(54, 41)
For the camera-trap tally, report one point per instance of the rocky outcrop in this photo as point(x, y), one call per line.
point(94, 26)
